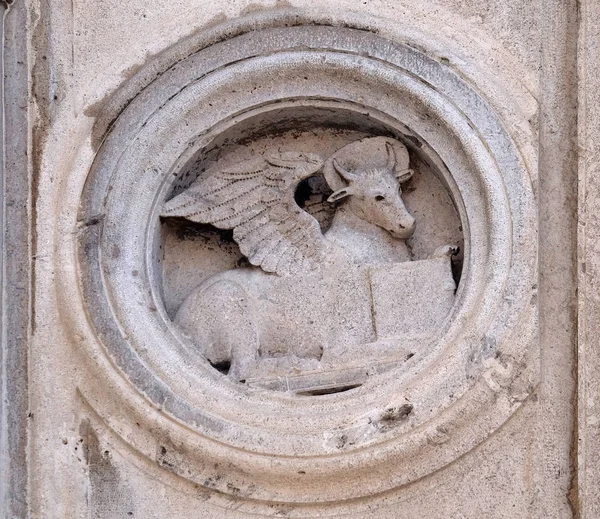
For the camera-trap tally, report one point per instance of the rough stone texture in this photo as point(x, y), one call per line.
point(588, 253)
point(555, 471)
point(106, 414)
point(15, 276)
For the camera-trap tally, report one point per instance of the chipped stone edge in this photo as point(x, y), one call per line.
point(15, 260)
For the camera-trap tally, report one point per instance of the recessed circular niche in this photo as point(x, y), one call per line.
point(191, 254)
point(284, 84)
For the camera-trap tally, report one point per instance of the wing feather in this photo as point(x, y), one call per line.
point(255, 198)
point(254, 241)
point(268, 245)
point(272, 258)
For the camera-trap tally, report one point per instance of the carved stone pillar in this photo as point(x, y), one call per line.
point(588, 463)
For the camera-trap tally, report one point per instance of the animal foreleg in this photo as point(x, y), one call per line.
point(237, 333)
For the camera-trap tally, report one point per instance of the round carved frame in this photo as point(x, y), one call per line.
point(271, 447)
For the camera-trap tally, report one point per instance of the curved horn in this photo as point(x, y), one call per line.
point(391, 157)
point(344, 173)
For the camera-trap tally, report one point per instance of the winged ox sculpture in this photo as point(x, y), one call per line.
point(309, 293)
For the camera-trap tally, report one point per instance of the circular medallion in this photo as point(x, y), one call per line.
point(313, 251)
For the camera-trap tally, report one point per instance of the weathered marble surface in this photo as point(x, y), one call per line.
point(99, 446)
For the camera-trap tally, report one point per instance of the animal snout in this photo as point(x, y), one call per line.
point(405, 229)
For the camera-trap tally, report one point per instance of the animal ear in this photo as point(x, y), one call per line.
point(339, 194)
point(404, 175)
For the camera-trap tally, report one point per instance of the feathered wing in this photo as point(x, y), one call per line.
point(255, 198)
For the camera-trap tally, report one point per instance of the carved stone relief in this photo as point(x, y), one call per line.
point(320, 304)
point(311, 254)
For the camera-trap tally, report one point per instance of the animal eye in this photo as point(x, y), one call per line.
point(379, 198)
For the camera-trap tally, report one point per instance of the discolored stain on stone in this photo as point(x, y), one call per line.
point(109, 496)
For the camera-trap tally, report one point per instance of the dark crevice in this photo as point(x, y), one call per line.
point(328, 391)
point(222, 367)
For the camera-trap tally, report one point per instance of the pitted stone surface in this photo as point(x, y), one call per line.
point(285, 259)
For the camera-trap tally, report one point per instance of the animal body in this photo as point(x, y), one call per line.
point(307, 291)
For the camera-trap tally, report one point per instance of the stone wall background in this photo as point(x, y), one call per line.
point(64, 58)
